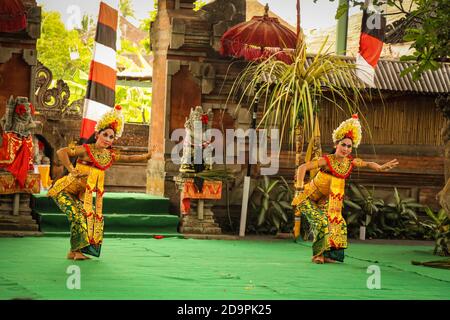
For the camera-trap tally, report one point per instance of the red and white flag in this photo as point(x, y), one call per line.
point(101, 94)
point(370, 43)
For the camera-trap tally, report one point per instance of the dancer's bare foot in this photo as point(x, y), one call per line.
point(329, 260)
point(71, 255)
point(80, 256)
point(318, 259)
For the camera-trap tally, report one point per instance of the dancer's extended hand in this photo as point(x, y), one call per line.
point(388, 165)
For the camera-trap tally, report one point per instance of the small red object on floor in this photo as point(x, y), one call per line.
point(158, 237)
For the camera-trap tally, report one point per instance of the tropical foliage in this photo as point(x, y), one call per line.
point(126, 8)
point(54, 51)
point(55, 45)
point(271, 201)
point(439, 226)
point(291, 91)
point(400, 218)
point(363, 209)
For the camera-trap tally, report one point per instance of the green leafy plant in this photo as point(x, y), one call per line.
point(56, 43)
point(126, 8)
point(399, 217)
point(363, 210)
point(439, 225)
point(271, 200)
point(54, 47)
point(430, 40)
point(396, 219)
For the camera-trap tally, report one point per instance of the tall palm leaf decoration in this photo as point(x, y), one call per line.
point(290, 91)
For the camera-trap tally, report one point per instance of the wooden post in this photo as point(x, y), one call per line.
point(244, 206)
point(298, 161)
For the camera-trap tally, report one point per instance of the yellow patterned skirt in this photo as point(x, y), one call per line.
point(321, 204)
point(86, 230)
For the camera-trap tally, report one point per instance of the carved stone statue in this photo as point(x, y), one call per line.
point(18, 117)
point(197, 127)
point(16, 143)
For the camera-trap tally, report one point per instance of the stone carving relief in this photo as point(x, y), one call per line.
point(222, 15)
point(28, 55)
point(204, 73)
point(34, 22)
point(54, 102)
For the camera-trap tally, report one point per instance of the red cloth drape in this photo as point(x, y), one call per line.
point(16, 156)
point(19, 168)
point(12, 16)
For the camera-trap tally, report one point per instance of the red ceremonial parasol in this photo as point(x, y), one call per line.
point(12, 16)
point(258, 38)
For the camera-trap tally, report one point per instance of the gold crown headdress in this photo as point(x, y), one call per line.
point(350, 128)
point(112, 119)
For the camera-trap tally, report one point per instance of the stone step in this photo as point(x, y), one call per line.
point(19, 227)
point(210, 236)
point(15, 233)
point(120, 223)
point(120, 235)
point(201, 230)
point(16, 219)
point(20, 213)
point(113, 203)
point(200, 224)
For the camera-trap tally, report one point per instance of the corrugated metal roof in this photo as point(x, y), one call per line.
point(387, 77)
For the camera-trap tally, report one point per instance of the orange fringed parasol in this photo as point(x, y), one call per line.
point(259, 38)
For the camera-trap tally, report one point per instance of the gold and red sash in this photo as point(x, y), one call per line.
point(101, 159)
point(335, 203)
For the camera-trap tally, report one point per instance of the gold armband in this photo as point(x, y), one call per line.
point(72, 149)
point(298, 185)
point(116, 155)
point(358, 162)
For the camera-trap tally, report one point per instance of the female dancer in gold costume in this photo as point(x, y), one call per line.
point(321, 200)
point(73, 193)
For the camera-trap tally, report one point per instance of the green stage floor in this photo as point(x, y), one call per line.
point(174, 268)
